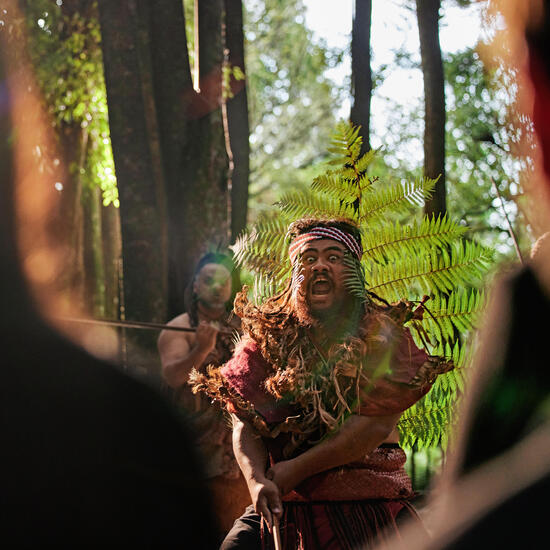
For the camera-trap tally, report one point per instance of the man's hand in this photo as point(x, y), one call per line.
point(266, 499)
point(206, 336)
point(285, 475)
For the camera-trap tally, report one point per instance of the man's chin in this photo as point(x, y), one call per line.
point(212, 303)
point(320, 308)
point(323, 307)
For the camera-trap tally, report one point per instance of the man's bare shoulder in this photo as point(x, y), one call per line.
point(183, 320)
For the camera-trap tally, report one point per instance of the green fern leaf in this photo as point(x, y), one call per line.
point(297, 204)
point(395, 198)
point(390, 240)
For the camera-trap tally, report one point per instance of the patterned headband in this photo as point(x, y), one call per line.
point(325, 233)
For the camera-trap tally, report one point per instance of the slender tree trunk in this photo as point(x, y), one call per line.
point(94, 274)
point(69, 226)
point(434, 101)
point(361, 74)
point(237, 127)
point(142, 225)
point(112, 250)
point(213, 168)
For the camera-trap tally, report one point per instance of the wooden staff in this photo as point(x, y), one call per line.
point(277, 534)
point(126, 324)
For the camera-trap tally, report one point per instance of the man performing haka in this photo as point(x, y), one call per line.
point(315, 389)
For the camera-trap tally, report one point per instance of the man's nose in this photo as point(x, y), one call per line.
point(320, 265)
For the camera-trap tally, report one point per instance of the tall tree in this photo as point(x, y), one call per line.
point(141, 192)
point(361, 74)
point(213, 167)
point(427, 12)
point(190, 129)
point(172, 94)
point(236, 106)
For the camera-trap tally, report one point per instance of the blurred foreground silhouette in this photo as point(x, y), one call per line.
point(89, 454)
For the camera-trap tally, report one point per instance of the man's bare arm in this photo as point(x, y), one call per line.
point(251, 455)
point(358, 436)
point(179, 354)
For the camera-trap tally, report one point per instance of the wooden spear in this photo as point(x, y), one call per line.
point(126, 324)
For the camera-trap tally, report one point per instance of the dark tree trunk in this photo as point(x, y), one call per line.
point(190, 127)
point(94, 271)
point(434, 101)
point(211, 187)
point(361, 75)
point(112, 249)
point(238, 129)
point(141, 192)
point(173, 93)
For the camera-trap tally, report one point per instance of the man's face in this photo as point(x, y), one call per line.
point(325, 273)
point(213, 285)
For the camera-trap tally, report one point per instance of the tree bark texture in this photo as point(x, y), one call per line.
point(112, 250)
point(238, 128)
point(173, 94)
point(361, 74)
point(94, 269)
point(434, 101)
point(211, 185)
point(190, 127)
point(142, 225)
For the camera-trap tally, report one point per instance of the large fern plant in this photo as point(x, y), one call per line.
point(402, 260)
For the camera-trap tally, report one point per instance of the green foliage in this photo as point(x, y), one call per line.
point(440, 270)
point(67, 57)
point(402, 260)
point(291, 101)
point(480, 149)
point(228, 72)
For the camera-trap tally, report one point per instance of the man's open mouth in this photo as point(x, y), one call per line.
point(320, 287)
